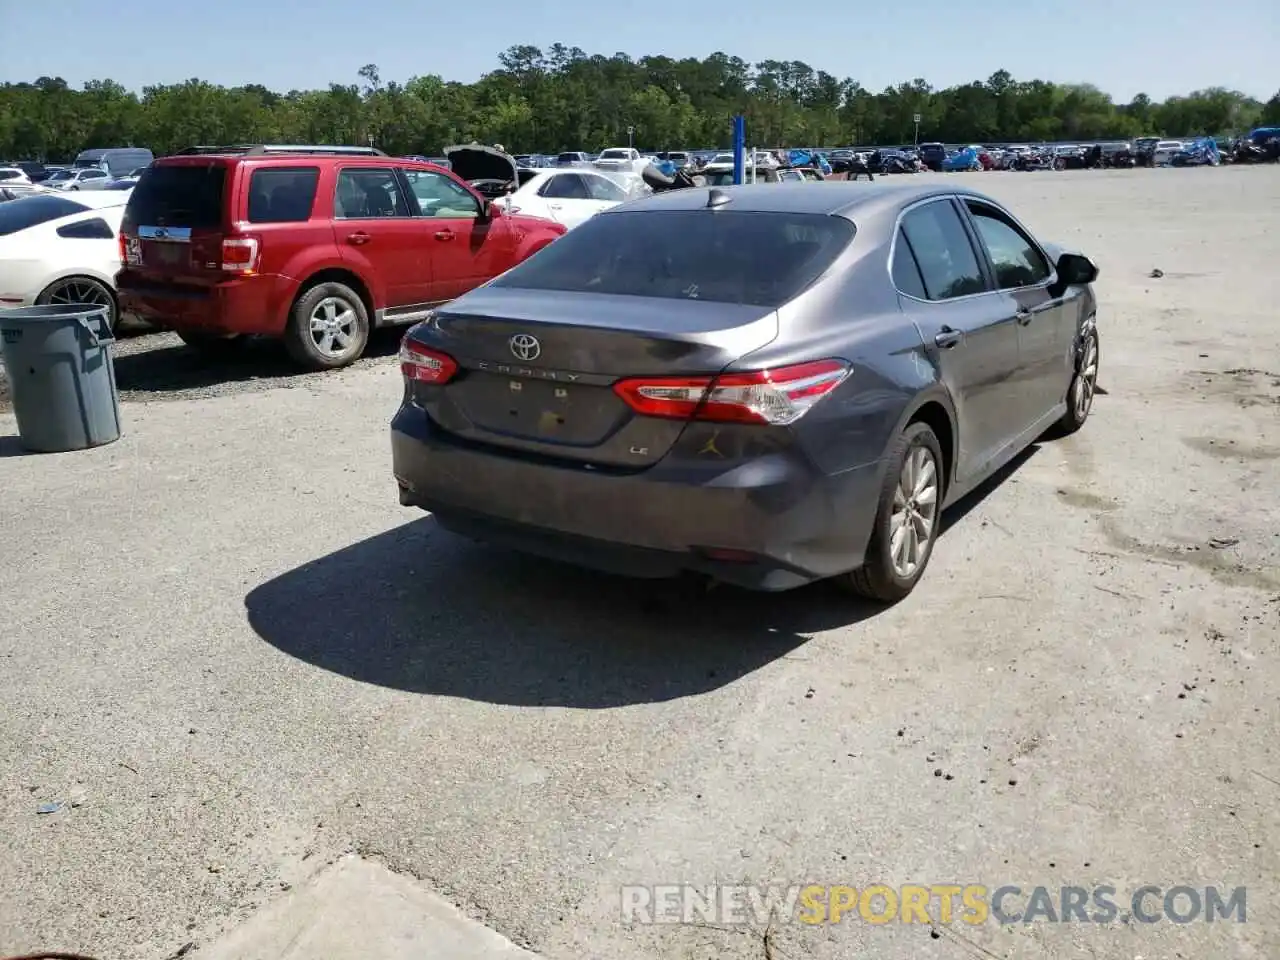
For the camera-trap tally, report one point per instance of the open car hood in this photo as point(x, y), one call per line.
point(474, 161)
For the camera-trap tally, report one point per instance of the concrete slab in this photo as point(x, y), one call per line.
point(359, 910)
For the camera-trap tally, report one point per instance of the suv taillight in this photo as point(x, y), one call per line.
point(130, 250)
point(778, 397)
point(240, 255)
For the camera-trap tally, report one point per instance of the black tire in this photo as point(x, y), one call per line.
point(877, 579)
point(1081, 379)
point(101, 293)
point(302, 345)
point(212, 345)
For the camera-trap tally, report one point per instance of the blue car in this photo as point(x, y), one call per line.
point(966, 159)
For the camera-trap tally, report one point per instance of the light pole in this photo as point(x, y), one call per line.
point(631, 133)
point(916, 118)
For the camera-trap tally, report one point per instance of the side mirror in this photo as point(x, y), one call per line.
point(1075, 269)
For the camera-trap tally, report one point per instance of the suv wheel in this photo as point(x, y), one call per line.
point(328, 327)
point(907, 518)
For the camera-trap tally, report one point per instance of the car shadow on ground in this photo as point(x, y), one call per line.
point(142, 367)
point(420, 610)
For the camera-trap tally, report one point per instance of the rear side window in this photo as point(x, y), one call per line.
point(186, 195)
point(942, 248)
point(95, 229)
point(565, 186)
point(720, 256)
point(27, 212)
point(906, 274)
point(282, 194)
point(10, 174)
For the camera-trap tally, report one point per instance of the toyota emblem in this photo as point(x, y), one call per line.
point(525, 347)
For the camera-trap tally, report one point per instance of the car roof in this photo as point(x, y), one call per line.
point(96, 200)
point(833, 198)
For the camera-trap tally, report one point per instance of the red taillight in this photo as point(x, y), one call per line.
point(424, 365)
point(130, 250)
point(240, 255)
point(777, 397)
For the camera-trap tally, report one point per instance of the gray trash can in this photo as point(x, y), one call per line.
point(61, 378)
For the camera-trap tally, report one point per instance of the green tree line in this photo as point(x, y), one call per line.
point(565, 99)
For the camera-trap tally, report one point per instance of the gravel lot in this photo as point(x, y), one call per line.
point(233, 656)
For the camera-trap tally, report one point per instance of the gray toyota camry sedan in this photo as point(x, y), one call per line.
point(767, 385)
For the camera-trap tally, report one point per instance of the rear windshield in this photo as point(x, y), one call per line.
point(721, 256)
point(32, 211)
point(187, 195)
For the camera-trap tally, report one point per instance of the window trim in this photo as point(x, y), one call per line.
point(979, 254)
point(399, 181)
point(1011, 221)
point(415, 207)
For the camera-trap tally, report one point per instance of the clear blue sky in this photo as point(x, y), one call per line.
point(1160, 47)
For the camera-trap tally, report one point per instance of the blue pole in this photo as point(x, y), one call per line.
point(739, 147)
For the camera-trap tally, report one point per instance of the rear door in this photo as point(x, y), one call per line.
point(376, 231)
point(464, 248)
point(1045, 322)
point(568, 199)
point(968, 328)
point(175, 221)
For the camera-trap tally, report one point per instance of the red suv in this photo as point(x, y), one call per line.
point(312, 244)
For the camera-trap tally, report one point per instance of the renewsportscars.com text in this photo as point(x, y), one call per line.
point(930, 904)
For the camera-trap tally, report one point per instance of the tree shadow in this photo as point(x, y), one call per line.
point(420, 610)
point(179, 367)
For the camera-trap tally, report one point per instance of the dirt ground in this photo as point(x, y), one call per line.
point(231, 656)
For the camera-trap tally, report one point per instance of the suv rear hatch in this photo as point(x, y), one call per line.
point(627, 295)
point(176, 220)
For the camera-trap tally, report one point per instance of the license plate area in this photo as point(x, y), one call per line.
point(166, 254)
point(538, 409)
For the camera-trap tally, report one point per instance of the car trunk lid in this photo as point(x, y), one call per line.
point(537, 368)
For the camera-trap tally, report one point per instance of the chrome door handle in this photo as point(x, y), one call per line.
point(444, 234)
point(948, 338)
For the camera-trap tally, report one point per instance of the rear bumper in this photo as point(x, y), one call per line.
point(769, 524)
point(249, 305)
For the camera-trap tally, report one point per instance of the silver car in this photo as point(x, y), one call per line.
point(766, 386)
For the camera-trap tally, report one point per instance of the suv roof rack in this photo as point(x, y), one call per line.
point(265, 149)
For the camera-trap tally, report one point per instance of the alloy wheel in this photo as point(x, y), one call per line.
point(1086, 383)
point(915, 511)
point(78, 292)
point(333, 326)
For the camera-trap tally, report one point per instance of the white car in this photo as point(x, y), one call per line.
point(621, 158)
point(60, 249)
point(1165, 149)
point(87, 178)
point(13, 175)
point(569, 197)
